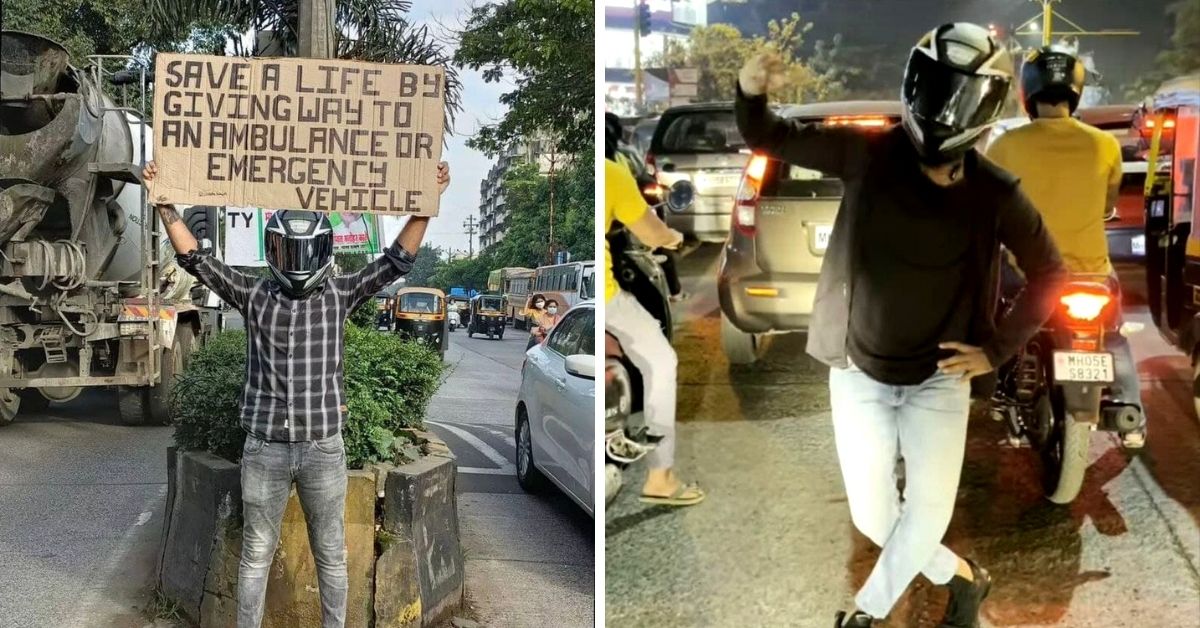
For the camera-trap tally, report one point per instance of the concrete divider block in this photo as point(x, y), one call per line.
point(205, 486)
point(397, 585)
point(420, 507)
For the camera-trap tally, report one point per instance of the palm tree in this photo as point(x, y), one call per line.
point(366, 30)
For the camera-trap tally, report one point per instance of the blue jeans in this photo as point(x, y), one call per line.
point(927, 425)
point(268, 470)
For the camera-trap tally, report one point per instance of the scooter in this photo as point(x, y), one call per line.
point(1057, 389)
point(639, 272)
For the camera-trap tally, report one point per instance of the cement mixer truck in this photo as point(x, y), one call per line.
point(89, 291)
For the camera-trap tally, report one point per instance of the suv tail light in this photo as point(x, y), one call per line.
point(874, 122)
point(745, 204)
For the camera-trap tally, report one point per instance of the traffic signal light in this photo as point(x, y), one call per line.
point(643, 18)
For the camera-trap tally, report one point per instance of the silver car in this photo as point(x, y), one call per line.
point(782, 220)
point(555, 415)
point(700, 144)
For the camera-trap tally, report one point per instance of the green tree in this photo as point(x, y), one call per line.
point(719, 51)
point(527, 194)
point(367, 30)
point(545, 48)
point(1182, 55)
point(428, 258)
point(85, 27)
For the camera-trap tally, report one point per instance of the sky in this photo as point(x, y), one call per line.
point(480, 106)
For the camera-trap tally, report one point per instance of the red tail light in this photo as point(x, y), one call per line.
point(1085, 306)
point(874, 122)
point(650, 162)
point(745, 204)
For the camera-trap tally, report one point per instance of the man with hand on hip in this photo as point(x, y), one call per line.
point(904, 310)
point(293, 404)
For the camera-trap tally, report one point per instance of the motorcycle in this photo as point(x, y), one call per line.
point(1057, 389)
point(639, 272)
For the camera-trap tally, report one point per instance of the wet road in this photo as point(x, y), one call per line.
point(773, 544)
point(530, 559)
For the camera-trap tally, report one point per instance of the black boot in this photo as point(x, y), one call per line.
point(858, 619)
point(966, 596)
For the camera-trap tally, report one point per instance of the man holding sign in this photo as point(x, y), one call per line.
point(293, 405)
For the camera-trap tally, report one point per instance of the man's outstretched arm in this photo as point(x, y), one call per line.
point(233, 287)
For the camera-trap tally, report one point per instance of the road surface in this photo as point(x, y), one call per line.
point(773, 544)
point(81, 510)
point(530, 559)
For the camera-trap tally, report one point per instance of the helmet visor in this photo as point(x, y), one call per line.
point(298, 255)
point(938, 93)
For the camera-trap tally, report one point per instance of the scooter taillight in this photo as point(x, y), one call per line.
point(1085, 306)
point(745, 204)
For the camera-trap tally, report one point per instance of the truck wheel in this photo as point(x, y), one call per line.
point(33, 401)
point(173, 364)
point(133, 405)
point(10, 403)
point(739, 346)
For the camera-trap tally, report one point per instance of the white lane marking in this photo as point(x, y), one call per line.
point(486, 471)
point(505, 435)
point(143, 518)
point(477, 443)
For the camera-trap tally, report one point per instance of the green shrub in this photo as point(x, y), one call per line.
point(388, 384)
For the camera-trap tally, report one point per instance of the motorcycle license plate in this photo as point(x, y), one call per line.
point(1073, 366)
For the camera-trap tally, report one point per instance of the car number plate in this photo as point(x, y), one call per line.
point(1137, 245)
point(821, 234)
point(719, 180)
point(1073, 366)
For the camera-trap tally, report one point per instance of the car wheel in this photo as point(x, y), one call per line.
point(740, 347)
point(528, 476)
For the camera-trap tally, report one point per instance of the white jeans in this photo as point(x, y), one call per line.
point(641, 337)
point(927, 425)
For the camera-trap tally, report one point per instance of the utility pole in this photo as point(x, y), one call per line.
point(553, 156)
point(1030, 26)
point(469, 227)
point(641, 26)
point(315, 29)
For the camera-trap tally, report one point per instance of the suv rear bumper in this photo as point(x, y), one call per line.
point(789, 309)
point(708, 219)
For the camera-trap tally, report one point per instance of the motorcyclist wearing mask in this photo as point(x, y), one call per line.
point(641, 335)
point(904, 308)
point(1074, 195)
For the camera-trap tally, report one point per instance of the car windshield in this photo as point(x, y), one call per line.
point(420, 303)
point(703, 132)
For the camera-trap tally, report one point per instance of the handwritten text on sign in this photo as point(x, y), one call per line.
point(320, 134)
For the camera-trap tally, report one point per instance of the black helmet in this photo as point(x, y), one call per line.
point(299, 247)
point(955, 85)
point(1051, 75)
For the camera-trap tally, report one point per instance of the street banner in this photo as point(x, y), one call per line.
point(352, 233)
point(320, 134)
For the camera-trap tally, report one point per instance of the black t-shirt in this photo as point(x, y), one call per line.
point(915, 285)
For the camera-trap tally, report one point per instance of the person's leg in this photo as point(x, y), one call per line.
point(321, 483)
point(932, 427)
point(266, 482)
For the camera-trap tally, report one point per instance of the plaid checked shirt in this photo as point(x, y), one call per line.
point(294, 388)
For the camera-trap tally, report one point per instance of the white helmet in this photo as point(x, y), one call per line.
point(955, 85)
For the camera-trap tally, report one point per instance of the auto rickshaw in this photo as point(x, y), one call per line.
point(1172, 120)
point(420, 314)
point(487, 316)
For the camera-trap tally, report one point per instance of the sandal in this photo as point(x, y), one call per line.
point(684, 495)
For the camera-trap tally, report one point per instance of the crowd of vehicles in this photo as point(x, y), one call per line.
point(89, 292)
point(1056, 391)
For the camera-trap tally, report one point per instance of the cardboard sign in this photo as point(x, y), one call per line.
point(319, 134)
point(352, 233)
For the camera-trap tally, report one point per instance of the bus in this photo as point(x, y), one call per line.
point(513, 284)
point(568, 283)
